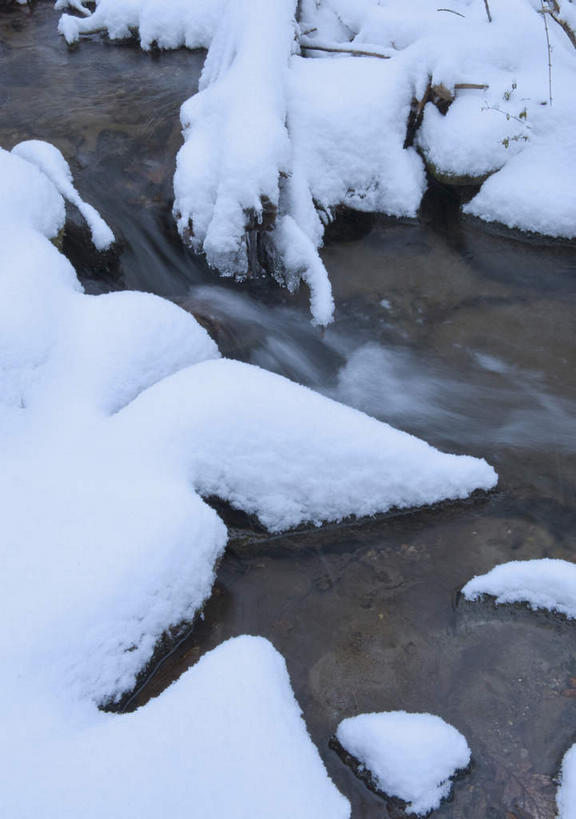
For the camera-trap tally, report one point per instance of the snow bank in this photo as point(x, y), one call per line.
point(274, 143)
point(410, 756)
point(543, 584)
point(158, 23)
point(116, 414)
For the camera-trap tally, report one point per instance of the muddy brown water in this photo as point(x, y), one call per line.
point(445, 328)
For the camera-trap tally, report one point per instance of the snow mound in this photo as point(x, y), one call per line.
point(226, 739)
point(543, 584)
point(409, 756)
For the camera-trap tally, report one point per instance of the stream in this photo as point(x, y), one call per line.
point(446, 328)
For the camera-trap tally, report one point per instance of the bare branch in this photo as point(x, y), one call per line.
point(452, 12)
point(545, 18)
point(568, 31)
point(337, 48)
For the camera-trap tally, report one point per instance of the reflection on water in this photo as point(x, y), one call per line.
point(457, 334)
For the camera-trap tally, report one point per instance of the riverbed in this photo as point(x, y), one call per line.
point(450, 329)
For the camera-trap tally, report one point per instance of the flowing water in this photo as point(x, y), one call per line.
point(444, 328)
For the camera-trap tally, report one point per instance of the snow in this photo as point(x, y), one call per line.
point(159, 23)
point(347, 123)
point(117, 414)
point(104, 548)
point(409, 756)
point(51, 162)
point(566, 794)
point(542, 584)
point(226, 739)
point(236, 142)
point(281, 135)
point(318, 460)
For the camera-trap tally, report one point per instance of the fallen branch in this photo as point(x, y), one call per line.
point(312, 45)
point(452, 12)
point(474, 85)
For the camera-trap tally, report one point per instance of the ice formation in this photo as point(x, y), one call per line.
point(306, 107)
point(410, 756)
point(116, 414)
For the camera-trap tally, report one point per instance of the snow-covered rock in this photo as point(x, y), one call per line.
point(226, 739)
point(542, 584)
point(410, 756)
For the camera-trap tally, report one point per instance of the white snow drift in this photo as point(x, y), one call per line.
point(305, 107)
point(116, 414)
point(410, 756)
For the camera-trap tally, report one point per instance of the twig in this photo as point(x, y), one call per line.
point(508, 115)
point(477, 85)
point(545, 16)
point(487, 7)
point(312, 45)
point(452, 12)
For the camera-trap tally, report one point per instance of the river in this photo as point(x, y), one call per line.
point(461, 334)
